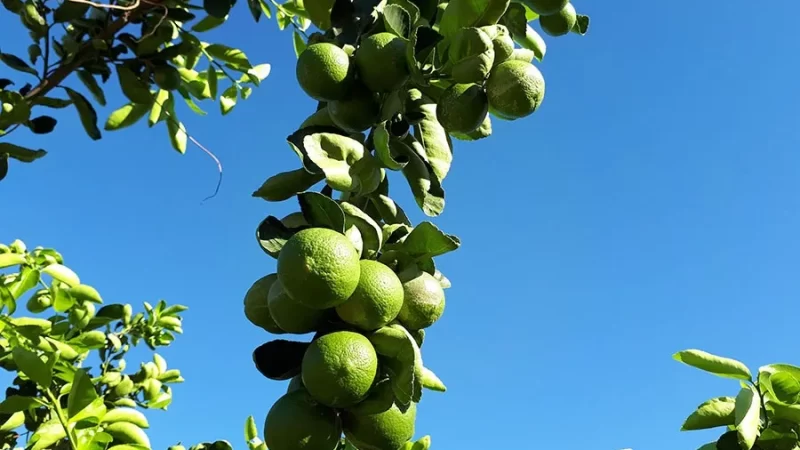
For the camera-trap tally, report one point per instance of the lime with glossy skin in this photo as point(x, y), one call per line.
point(298, 422)
point(291, 315)
point(339, 368)
point(256, 305)
point(381, 62)
point(319, 267)
point(423, 301)
point(357, 112)
point(387, 430)
point(515, 89)
point(377, 299)
point(546, 7)
point(323, 72)
point(462, 108)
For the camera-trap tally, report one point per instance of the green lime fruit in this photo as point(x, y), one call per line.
point(515, 89)
point(546, 7)
point(381, 62)
point(423, 300)
point(291, 315)
point(319, 267)
point(297, 422)
point(357, 112)
point(377, 299)
point(471, 55)
point(256, 307)
point(339, 368)
point(324, 73)
point(295, 384)
point(462, 108)
point(560, 23)
point(501, 41)
point(383, 431)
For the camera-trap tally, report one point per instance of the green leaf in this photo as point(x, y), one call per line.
point(286, 185)
point(250, 429)
point(14, 6)
point(582, 25)
point(471, 13)
point(7, 299)
point(86, 112)
point(90, 82)
point(321, 211)
point(280, 359)
point(717, 412)
point(371, 233)
point(334, 154)
point(32, 366)
point(748, 417)
point(255, 75)
point(10, 259)
point(69, 11)
point(132, 87)
point(208, 23)
point(17, 63)
point(430, 381)
point(217, 8)
point(515, 19)
point(413, 10)
point(63, 274)
point(81, 395)
point(319, 11)
point(228, 99)
point(47, 434)
point(272, 234)
point(428, 241)
point(397, 20)
point(15, 109)
point(177, 133)
point(21, 154)
point(28, 279)
point(255, 9)
point(62, 299)
point(435, 142)
point(17, 403)
point(126, 116)
point(786, 387)
point(50, 102)
point(156, 111)
point(266, 9)
point(427, 189)
point(230, 55)
point(211, 75)
point(780, 411)
point(190, 102)
point(723, 367)
point(34, 52)
point(298, 42)
point(383, 149)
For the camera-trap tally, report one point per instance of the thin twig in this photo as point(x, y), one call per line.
point(107, 6)
point(46, 53)
point(297, 28)
point(160, 20)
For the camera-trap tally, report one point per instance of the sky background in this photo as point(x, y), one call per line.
point(652, 204)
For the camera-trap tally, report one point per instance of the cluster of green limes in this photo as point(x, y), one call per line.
point(323, 286)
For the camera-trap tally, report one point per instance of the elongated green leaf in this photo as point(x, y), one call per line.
point(211, 75)
point(428, 241)
point(33, 367)
point(217, 8)
point(228, 99)
point(371, 233)
point(471, 13)
point(272, 234)
point(427, 190)
point(17, 403)
point(17, 63)
point(298, 42)
point(723, 367)
point(21, 153)
point(34, 52)
point(382, 140)
point(28, 279)
point(48, 434)
point(10, 259)
point(429, 132)
point(747, 413)
point(321, 211)
point(86, 113)
point(156, 111)
point(717, 412)
point(69, 11)
point(397, 20)
point(390, 212)
point(785, 386)
point(208, 23)
point(50, 102)
point(430, 381)
point(515, 19)
point(126, 116)
point(286, 185)
point(230, 55)
point(133, 88)
point(175, 129)
point(91, 84)
point(255, 9)
point(320, 13)
point(334, 154)
point(63, 274)
point(81, 395)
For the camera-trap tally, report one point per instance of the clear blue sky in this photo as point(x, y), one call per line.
point(651, 205)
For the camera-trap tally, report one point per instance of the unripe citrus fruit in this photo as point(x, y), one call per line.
point(297, 422)
point(560, 23)
point(256, 307)
point(291, 315)
point(377, 299)
point(338, 368)
point(323, 72)
point(295, 384)
point(471, 55)
point(357, 112)
point(319, 267)
point(381, 62)
point(383, 431)
point(546, 7)
point(423, 300)
point(515, 89)
point(462, 108)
